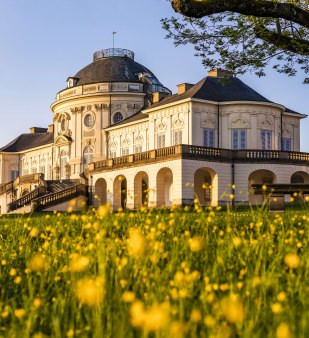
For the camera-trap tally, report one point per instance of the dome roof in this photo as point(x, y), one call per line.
point(112, 65)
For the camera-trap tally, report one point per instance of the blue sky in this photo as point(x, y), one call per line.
point(45, 41)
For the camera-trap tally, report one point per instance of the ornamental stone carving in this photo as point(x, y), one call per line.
point(116, 106)
point(266, 124)
point(161, 126)
point(139, 139)
point(287, 130)
point(126, 142)
point(105, 106)
point(208, 123)
point(77, 110)
point(113, 144)
point(240, 123)
point(63, 140)
point(178, 123)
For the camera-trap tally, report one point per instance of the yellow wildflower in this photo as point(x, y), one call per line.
point(104, 211)
point(136, 243)
point(209, 321)
point(38, 263)
point(19, 313)
point(276, 308)
point(292, 260)
point(78, 263)
point(34, 232)
point(128, 296)
point(196, 244)
point(13, 272)
point(90, 291)
point(283, 331)
point(37, 303)
point(233, 308)
point(196, 316)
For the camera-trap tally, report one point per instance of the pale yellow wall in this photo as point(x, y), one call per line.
point(128, 137)
point(35, 159)
point(9, 161)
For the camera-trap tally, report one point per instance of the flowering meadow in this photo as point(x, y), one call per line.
point(184, 272)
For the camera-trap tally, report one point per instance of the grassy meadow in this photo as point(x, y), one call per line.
point(184, 272)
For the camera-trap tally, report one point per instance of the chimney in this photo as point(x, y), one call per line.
point(183, 87)
point(51, 128)
point(220, 73)
point(37, 130)
point(158, 96)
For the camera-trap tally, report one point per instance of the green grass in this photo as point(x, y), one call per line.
point(155, 273)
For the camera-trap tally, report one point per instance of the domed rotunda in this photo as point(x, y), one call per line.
point(111, 89)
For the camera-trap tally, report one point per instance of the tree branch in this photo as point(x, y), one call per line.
point(258, 8)
point(284, 42)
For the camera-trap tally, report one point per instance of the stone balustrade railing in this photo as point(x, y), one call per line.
point(25, 200)
point(59, 197)
point(99, 88)
point(202, 153)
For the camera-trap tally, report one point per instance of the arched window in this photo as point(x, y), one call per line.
point(117, 117)
point(87, 156)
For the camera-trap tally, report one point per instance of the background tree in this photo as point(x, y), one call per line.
point(244, 35)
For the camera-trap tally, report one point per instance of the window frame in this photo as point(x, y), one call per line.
point(89, 125)
point(114, 117)
point(268, 145)
point(239, 132)
point(160, 141)
point(206, 137)
point(138, 148)
point(14, 174)
point(283, 143)
point(125, 151)
point(89, 158)
point(177, 137)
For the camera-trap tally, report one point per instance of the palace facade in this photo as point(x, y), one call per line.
point(120, 136)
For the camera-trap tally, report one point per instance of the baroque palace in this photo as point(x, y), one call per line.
point(120, 136)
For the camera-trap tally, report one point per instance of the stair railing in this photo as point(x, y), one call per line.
point(58, 197)
point(26, 199)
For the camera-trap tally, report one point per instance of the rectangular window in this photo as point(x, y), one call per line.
point(134, 87)
point(138, 149)
point(160, 141)
point(239, 138)
point(208, 138)
point(177, 137)
point(266, 139)
point(42, 170)
point(112, 154)
point(286, 144)
point(63, 163)
point(125, 151)
point(34, 170)
point(49, 172)
point(13, 174)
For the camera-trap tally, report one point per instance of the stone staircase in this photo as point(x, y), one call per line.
point(56, 186)
point(52, 194)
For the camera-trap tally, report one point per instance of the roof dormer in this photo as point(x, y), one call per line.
point(71, 81)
